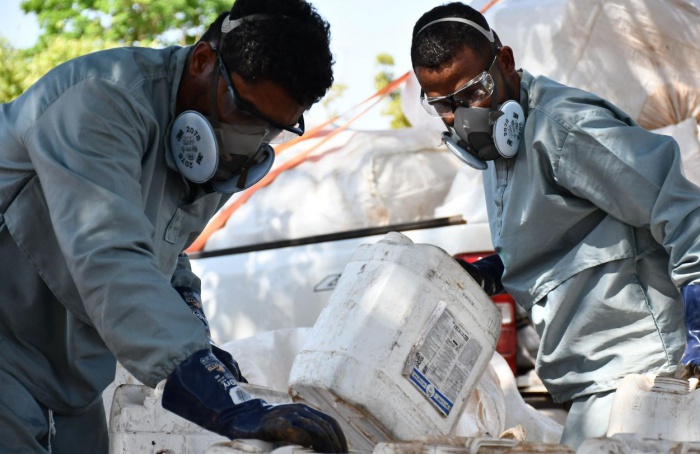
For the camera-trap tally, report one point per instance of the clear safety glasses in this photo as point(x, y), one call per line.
point(469, 95)
point(237, 110)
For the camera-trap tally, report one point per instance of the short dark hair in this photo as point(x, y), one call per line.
point(290, 48)
point(437, 44)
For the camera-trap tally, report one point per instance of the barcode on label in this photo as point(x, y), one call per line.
point(239, 395)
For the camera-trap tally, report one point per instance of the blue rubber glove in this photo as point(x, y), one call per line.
point(690, 362)
point(194, 301)
point(203, 391)
point(486, 272)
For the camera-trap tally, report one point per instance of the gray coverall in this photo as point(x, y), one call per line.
point(93, 221)
point(597, 229)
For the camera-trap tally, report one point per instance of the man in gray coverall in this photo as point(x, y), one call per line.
point(595, 227)
point(110, 166)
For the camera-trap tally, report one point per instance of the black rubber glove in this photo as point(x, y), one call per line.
point(203, 391)
point(194, 301)
point(486, 272)
point(689, 366)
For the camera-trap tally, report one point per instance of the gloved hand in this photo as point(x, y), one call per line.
point(690, 362)
point(486, 272)
point(194, 301)
point(203, 391)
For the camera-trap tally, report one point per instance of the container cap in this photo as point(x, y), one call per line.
point(671, 385)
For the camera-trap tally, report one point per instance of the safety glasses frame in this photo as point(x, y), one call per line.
point(246, 107)
point(443, 106)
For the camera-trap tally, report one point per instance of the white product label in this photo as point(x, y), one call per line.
point(442, 359)
point(239, 395)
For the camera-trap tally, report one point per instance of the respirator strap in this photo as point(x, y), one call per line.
point(245, 167)
point(494, 95)
point(213, 101)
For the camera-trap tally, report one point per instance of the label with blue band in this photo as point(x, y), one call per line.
point(434, 395)
point(441, 361)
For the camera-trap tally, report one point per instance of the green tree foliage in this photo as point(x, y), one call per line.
point(22, 67)
point(126, 21)
point(335, 93)
point(10, 83)
point(385, 62)
point(73, 28)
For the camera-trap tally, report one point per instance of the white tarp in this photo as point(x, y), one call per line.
point(359, 179)
point(640, 54)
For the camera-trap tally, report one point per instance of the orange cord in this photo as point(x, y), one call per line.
point(489, 5)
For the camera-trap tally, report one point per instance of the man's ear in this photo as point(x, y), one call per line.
point(203, 60)
point(506, 60)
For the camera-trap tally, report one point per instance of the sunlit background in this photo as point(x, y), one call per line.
point(360, 31)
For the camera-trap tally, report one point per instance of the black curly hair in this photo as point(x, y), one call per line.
point(437, 44)
point(291, 47)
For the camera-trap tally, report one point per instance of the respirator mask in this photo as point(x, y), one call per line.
point(479, 134)
point(230, 156)
point(482, 134)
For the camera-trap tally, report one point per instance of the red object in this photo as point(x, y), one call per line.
point(507, 344)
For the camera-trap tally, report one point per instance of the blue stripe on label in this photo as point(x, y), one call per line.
point(433, 394)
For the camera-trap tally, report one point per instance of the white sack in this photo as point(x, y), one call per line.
point(360, 179)
point(528, 27)
point(639, 54)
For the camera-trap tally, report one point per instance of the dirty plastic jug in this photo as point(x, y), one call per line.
point(138, 422)
point(636, 444)
point(470, 445)
point(661, 408)
point(405, 337)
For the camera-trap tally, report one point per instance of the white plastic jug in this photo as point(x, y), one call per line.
point(139, 424)
point(470, 445)
point(405, 337)
point(660, 408)
point(636, 444)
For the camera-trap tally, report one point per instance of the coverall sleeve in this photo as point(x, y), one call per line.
point(87, 149)
point(184, 276)
point(636, 176)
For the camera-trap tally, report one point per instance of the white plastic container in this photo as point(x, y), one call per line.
point(139, 424)
point(658, 408)
point(255, 447)
point(470, 445)
point(405, 338)
point(635, 444)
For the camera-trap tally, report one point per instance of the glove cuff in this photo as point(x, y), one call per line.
point(202, 390)
point(691, 303)
point(472, 271)
point(194, 302)
point(486, 272)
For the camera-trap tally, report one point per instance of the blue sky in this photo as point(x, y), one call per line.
point(360, 29)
